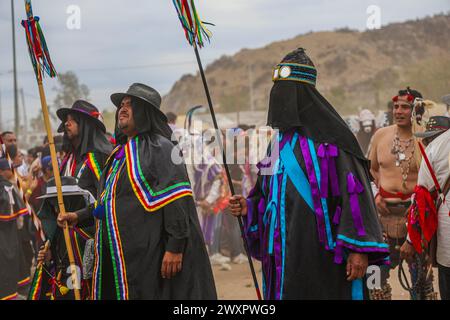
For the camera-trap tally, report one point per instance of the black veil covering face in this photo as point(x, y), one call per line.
point(297, 104)
point(147, 121)
point(92, 138)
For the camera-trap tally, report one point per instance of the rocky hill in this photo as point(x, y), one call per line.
point(355, 69)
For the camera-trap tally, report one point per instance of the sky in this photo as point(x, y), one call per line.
point(120, 42)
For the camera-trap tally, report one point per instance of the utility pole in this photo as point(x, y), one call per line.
point(25, 120)
point(16, 103)
point(250, 80)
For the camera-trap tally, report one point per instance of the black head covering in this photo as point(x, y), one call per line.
point(92, 138)
point(298, 104)
point(147, 119)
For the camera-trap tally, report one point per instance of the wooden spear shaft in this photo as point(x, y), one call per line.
point(62, 209)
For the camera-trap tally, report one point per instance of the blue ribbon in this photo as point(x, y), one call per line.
point(296, 174)
point(357, 289)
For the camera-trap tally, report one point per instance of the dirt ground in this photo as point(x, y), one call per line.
point(237, 283)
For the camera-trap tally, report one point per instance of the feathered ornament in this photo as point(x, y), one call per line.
point(194, 27)
point(37, 47)
point(421, 110)
point(419, 118)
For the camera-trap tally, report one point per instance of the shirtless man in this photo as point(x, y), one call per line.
point(395, 169)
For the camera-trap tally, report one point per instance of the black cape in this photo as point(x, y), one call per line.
point(284, 232)
point(11, 254)
point(293, 104)
point(133, 232)
point(50, 281)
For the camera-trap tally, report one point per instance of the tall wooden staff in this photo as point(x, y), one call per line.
point(40, 59)
point(196, 32)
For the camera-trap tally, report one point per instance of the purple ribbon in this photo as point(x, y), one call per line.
point(314, 188)
point(337, 215)
point(338, 254)
point(120, 153)
point(327, 152)
point(354, 188)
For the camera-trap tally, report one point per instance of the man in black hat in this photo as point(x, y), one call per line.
point(311, 220)
point(87, 148)
point(11, 254)
point(51, 280)
point(85, 144)
point(437, 138)
point(148, 239)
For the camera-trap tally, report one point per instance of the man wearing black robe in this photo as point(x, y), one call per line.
point(11, 254)
point(311, 218)
point(85, 143)
point(148, 241)
point(52, 280)
point(87, 149)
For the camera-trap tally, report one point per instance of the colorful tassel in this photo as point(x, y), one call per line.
point(37, 46)
point(194, 27)
point(36, 284)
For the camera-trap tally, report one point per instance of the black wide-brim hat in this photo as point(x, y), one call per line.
point(142, 92)
point(435, 126)
point(69, 187)
point(84, 108)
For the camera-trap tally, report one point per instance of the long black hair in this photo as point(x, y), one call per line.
point(147, 121)
point(92, 138)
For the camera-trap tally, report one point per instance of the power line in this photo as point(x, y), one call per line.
point(146, 66)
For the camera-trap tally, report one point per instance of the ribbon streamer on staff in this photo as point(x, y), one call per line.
point(42, 64)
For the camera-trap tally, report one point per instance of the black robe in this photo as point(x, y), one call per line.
point(145, 208)
point(51, 279)
point(285, 232)
point(11, 254)
point(87, 170)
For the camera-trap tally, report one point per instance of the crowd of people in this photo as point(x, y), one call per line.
point(140, 226)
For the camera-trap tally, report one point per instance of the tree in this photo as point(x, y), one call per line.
point(68, 91)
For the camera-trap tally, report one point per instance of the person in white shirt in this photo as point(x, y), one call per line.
point(446, 100)
point(437, 139)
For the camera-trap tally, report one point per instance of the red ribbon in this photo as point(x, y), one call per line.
point(422, 219)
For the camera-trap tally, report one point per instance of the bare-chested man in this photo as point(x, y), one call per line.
point(394, 167)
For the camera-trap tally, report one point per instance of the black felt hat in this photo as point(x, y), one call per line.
point(142, 92)
point(84, 108)
point(435, 125)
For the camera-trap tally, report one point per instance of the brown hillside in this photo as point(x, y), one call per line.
point(355, 69)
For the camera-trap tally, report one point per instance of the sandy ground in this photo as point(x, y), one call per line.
point(237, 283)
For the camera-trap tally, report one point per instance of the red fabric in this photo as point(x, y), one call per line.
point(422, 219)
point(408, 96)
point(397, 195)
point(36, 41)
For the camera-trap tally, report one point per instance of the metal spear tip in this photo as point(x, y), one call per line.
point(28, 9)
